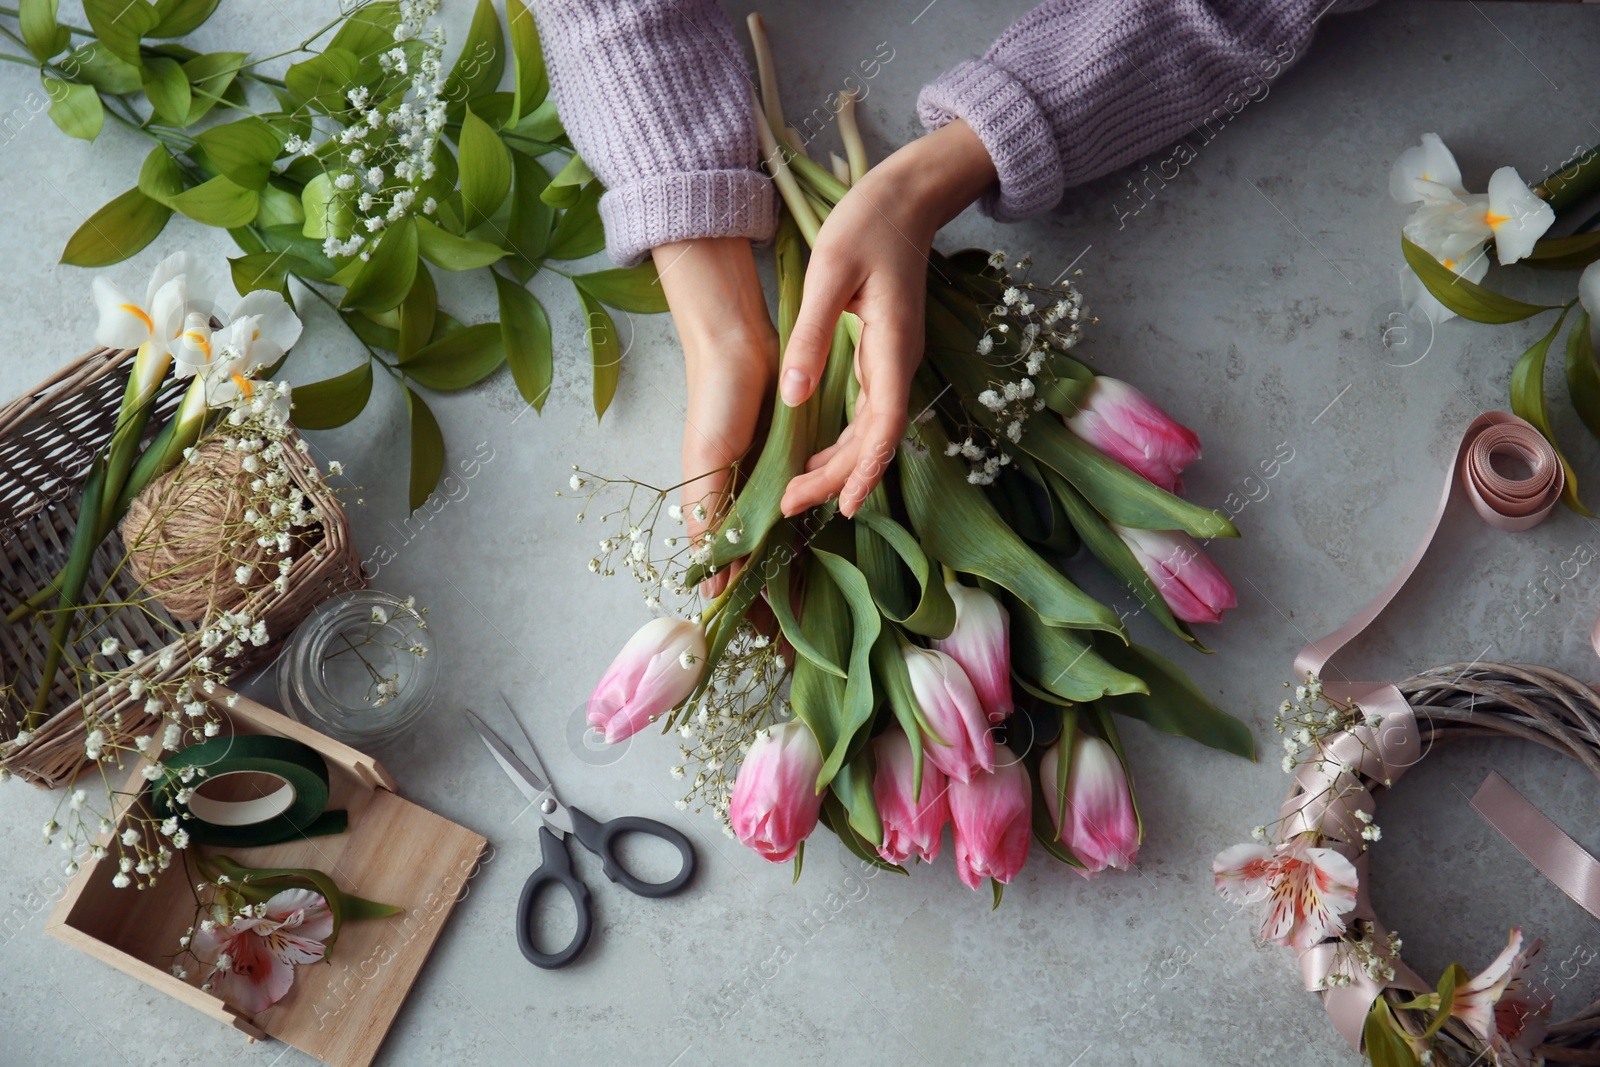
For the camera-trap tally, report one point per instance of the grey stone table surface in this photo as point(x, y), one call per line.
point(1244, 295)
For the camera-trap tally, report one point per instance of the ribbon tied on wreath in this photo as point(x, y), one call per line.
point(1332, 794)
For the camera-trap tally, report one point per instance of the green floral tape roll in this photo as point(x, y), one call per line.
point(284, 796)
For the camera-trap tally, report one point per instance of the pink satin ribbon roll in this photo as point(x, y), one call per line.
point(1328, 793)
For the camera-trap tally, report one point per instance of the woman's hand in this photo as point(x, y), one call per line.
point(871, 258)
point(730, 351)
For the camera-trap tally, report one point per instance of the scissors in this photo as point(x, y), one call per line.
point(558, 820)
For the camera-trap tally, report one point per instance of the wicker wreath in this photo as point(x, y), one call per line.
point(1499, 1017)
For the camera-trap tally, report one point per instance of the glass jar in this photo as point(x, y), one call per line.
point(360, 668)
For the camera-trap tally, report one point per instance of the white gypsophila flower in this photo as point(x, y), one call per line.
point(94, 743)
point(110, 646)
point(121, 881)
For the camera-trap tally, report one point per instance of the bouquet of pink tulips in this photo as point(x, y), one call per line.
point(930, 660)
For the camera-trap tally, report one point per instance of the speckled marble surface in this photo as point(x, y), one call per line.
point(1245, 296)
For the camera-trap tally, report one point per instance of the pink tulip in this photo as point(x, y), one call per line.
point(991, 818)
point(981, 643)
point(775, 801)
point(951, 707)
point(1100, 828)
point(1193, 587)
point(912, 822)
point(1126, 425)
point(656, 669)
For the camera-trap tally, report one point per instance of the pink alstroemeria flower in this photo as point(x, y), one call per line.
point(658, 667)
point(775, 803)
point(912, 823)
point(1126, 425)
point(991, 821)
point(1311, 888)
point(1505, 1007)
point(252, 960)
point(1194, 587)
point(981, 643)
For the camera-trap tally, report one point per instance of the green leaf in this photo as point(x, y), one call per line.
point(836, 819)
point(417, 314)
point(180, 18)
point(1114, 554)
point(531, 218)
point(369, 31)
point(532, 81)
point(569, 182)
point(482, 61)
point(1527, 402)
point(525, 334)
point(279, 207)
point(323, 80)
point(310, 262)
point(579, 232)
point(120, 24)
point(384, 337)
point(385, 279)
point(934, 614)
point(210, 76)
point(1060, 661)
point(160, 177)
point(243, 151)
point(444, 249)
point(1583, 380)
point(1174, 704)
point(263, 270)
point(854, 710)
point(218, 202)
point(780, 597)
point(894, 681)
point(167, 86)
point(333, 401)
point(853, 786)
point(958, 526)
point(1565, 253)
point(1381, 1040)
point(1466, 298)
point(1115, 491)
point(461, 359)
point(326, 208)
point(427, 449)
point(117, 231)
point(74, 108)
point(103, 69)
point(817, 696)
point(485, 170)
point(605, 351)
point(44, 36)
point(537, 131)
point(635, 289)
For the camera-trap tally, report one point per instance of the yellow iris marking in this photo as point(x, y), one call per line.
point(201, 341)
point(139, 313)
point(1494, 220)
point(246, 386)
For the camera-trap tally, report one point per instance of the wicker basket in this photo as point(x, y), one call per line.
point(48, 440)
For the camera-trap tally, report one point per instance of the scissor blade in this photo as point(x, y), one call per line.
point(528, 782)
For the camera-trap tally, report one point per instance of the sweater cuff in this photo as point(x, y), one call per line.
point(685, 205)
point(1011, 125)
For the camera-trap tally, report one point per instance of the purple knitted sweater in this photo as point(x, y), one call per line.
point(657, 99)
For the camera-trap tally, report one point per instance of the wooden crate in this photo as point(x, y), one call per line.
point(394, 851)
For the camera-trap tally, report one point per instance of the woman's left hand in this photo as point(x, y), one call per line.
point(871, 258)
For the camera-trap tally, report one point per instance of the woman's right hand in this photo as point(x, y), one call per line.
point(730, 352)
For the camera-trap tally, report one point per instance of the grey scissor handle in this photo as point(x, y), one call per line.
point(555, 869)
point(600, 838)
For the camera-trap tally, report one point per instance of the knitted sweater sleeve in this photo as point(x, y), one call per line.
point(1076, 89)
point(657, 99)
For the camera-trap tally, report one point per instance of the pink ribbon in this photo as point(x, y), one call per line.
point(1541, 842)
point(1328, 792)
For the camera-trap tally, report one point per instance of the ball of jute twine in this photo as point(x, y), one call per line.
point(186, 535)
point(1478, 700)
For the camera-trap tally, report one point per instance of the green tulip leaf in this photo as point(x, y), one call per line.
point(1174, 704)
point(893, 679)
point(854, 710)
point(780, 597)
point(1060, 661)
point(463, 358)
point(853, 786)
point(934, 614)
point(333, 401)
point(818, 696)
point(525, 334)
point(834, 816)
point(118, 230)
